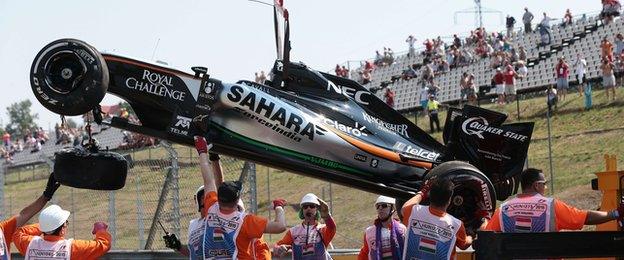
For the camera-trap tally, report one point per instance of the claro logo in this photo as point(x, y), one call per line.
point(155, 84)
point(478, 125)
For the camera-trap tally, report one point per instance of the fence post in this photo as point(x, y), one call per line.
point(175, 187)
point(164, 193)
point(248, 177)
point(111, 217)
point(140, 213)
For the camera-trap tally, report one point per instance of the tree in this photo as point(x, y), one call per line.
point(21, 118)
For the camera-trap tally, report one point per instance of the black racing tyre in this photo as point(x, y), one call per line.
point(78, 168)
point(473, 192)
point(69, 77)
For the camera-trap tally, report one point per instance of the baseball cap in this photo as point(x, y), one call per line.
point(229, 191)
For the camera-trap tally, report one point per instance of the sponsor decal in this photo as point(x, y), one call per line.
point(478, 125)
point(85, 55)
point(272, 115)
point(360, 96)
point(183, 122)
point(182, 126)
point(48, 253)
point(431, 230)
point(360, 157)
point(400, 129)
point(415, 151)
point(374, 163)
point(427, 245)
point(218, 252)
point(486, 196)
point(155, 84)
point(43, 95)
point(356, 130)
point(524, 209)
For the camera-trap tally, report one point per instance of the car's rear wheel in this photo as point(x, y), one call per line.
point(473, 192)
point(79, 168)
point(69, 77)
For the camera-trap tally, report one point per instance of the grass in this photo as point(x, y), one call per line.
point(576, 147)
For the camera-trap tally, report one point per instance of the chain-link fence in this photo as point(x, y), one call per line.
point(160, 186)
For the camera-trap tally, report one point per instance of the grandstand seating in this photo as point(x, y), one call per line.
point(110, 138)
point(583, 36)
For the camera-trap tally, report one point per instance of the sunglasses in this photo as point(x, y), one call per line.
point(309, 206)
point(542, 182)
point(382, 205)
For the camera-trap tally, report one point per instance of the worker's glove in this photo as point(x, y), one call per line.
point(424, 190)
point(99, 226)
point(201, 145)
point(51, 187)
point(324, 209)
point(171, 241)
point(213, 157)
point(279, 203)
point(280, 250)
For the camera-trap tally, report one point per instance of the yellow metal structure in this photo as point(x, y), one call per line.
point(609, 184)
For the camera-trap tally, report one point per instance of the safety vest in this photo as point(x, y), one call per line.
point(528, 214)
point(430, 236)
point(432, 106)
point(220, 233)
point(42, 249)
point(4, 248)
point(308, 243)
point(196, 238)
point(386, 242)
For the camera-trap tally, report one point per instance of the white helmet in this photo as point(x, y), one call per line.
point(52, 217)
point(310, 198)
point(385, 199)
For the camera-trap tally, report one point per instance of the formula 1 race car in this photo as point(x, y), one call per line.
point(302, 120)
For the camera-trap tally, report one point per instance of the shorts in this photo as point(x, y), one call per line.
point(581, 79)
point(510, 89)
point(470, 92)
point(500, 89)
point(608, 81)
point(423, 103)
point(562, 84)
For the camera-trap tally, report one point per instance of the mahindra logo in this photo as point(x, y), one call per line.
point(183, 122)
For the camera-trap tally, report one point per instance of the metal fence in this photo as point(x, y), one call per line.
point(160, 186)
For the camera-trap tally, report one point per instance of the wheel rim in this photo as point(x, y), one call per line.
point(64, 71)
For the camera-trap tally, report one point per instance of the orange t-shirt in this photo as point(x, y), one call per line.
point(566, 217)
point(8, 228)
point(460, 239)
point(81, 249)
point(252, 228)
point(327, 233)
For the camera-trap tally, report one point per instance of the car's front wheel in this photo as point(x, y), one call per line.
point(69, 77)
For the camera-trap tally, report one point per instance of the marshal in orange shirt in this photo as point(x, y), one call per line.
point(460, 240)
point(81, 249)
point(252, 229)
point(566, 217)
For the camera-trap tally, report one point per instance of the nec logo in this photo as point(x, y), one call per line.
point(183, 122)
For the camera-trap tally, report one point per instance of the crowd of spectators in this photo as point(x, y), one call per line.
point(31, 140)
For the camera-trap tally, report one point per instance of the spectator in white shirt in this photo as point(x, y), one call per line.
point(581, 68)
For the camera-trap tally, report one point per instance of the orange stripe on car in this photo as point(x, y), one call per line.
point(378, 151)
